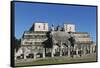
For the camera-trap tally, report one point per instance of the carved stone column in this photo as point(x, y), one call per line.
point(77, 52)
point(34, 55)
point(52, 52)
point(43, 52)
point(15, 54)
point(84, 49)
point(24, 52)
point(60, 48)
point(91, 49)
point(68, 50)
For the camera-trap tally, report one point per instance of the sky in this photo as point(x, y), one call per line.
point(84, 17)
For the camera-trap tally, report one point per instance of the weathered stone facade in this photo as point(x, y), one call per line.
point(51, 43)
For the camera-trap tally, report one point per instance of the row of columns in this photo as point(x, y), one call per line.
point(69, 49)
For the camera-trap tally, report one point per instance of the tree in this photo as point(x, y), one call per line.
point(72, 42)
point(17, 43)
point(48, 43)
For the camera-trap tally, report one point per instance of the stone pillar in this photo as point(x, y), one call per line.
point(88, 49)
point(68, 50)
point(24, 52)
point(43, 52)
point(74, 49)
point(77, 52)
point(61, 49)
point(52, 52)
point(84, 49)
point(24, 56)
point(81, 50)
point(91, 49)
point(15, 56)
point(34, 55)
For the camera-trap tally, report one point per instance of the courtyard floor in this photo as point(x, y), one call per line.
point(56, 60)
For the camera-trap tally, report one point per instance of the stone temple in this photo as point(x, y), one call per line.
point(40, 41)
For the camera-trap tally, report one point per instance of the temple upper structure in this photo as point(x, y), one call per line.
point(69, 27)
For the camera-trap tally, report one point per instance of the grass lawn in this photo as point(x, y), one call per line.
point(58, 60)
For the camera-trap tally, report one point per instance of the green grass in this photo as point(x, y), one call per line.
point(57, 60)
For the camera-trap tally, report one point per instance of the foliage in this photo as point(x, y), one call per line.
point(17, 43)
